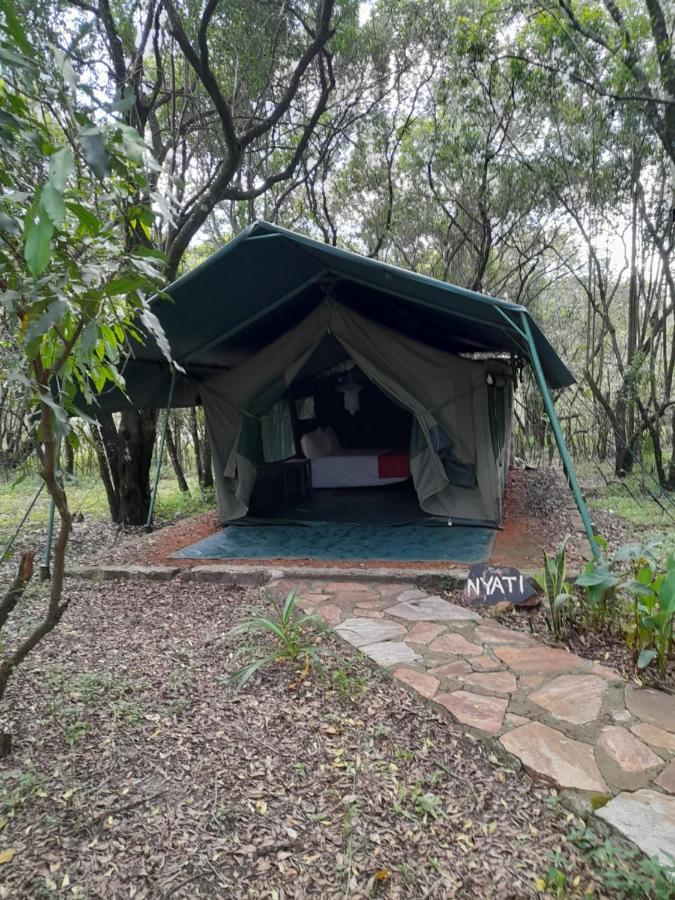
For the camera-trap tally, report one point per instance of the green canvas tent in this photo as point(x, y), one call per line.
point(246, 324)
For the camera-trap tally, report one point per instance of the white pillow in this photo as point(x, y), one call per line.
point(313, 444)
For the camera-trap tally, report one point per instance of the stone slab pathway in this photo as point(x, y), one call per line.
point(569, 721)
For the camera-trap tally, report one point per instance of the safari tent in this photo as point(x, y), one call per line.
point(322, 372)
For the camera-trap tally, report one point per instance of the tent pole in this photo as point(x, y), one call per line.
point(559, 439)
point(45, 572)
point(160, 452)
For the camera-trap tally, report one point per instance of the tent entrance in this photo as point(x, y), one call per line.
point(335, 448)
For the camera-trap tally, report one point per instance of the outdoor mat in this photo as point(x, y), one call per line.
point(343, 541)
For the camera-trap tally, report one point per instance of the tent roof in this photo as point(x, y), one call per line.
point(268, 278)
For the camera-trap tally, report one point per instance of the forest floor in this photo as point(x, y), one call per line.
point(139, 771)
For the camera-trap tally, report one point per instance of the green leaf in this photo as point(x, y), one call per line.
point(61, 164)
point(53, 313)
point(51, 203)
point(94, 150)
point(645, 657)
point(88, 338)
point(87, 219)
point(667, 592)
point(15, 29)
point(124, 284)
point(37, 233)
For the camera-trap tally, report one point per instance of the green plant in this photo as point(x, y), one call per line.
point(655, 608)
point(292, 638)
point(620, 871)
point(558, 595)
point(600, 584)
point(349, 685)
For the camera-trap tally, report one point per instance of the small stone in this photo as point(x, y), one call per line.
point(502, 606)
point(573, 698)
point(432, 609)
point(540, 659)
point(330, 614)
point(553, 756)
point(368, 613)
point(422, 682)
point(391, 653)
point(455, 644)
point(362, 631)
point(484, 663)
point(333, 587)
point(651, 706)
point(666, 779)
point(425, 632)
point(483, 713)
point(657, 737)
point(621, 715)
point(452, 669)
point(494, 682)
point(498, 635)
point(647, 818)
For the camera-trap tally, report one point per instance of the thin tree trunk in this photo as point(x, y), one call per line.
point(136, 440)
point(105, 471)
point(206, 464)
point(70, 458)
point(175, 462)
point(196, 443)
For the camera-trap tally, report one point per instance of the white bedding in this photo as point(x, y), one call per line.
point(348, 468)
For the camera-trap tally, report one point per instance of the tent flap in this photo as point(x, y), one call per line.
point(447, 396)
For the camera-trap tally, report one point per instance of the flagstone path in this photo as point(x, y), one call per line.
point(570, 721)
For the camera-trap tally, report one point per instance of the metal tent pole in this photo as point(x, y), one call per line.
point(160, 452)
point(559, 439)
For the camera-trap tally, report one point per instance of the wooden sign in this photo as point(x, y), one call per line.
point(489, 585)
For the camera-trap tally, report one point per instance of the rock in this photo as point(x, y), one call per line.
point(657, 737)
point(452, 669)
point(494, 682)
point(514, 720)
point(390, 653)
point(422, 682)
point(362, 631)
point(625, 761)
point(498, 635)
point(541, 659)
point(647, 818)
point(555, 757)
point(368, 613)
point(431, 609)
point(366, 599)
point(330, 614)
point(425, 632)
point(411, 594)
point(610, 675)
point(573, 698)
point(455, 644)
point(651, 706)
point(484, 663)
point(483, 713)
point(666, 779)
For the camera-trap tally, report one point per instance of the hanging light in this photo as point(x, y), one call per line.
point(351, 391)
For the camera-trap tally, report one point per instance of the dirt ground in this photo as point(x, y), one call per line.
point(139, 772)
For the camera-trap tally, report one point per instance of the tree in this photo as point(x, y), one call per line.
point(228, 96)
point(73, 283)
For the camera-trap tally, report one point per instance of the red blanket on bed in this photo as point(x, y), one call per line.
point(393, 464)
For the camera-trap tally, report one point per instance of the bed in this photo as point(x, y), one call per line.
point(359, 468)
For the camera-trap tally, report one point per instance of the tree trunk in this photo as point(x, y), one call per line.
point(670, 482)
point(70, 458)
point(175, 462)
point(206, 464)
point(107, 472)
point(196, 444)
point(136, 440)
